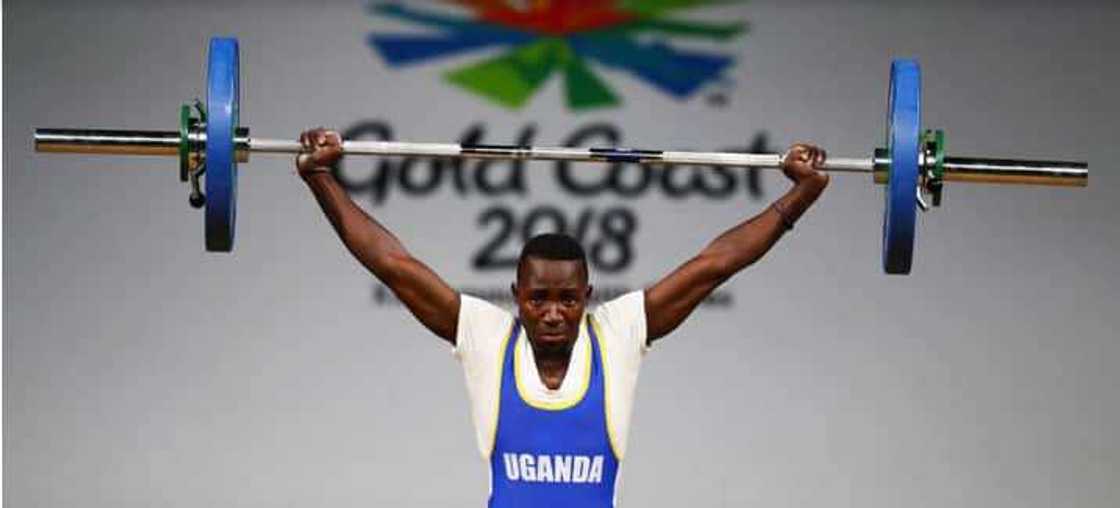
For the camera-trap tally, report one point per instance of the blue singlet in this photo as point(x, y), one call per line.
point(546, 458)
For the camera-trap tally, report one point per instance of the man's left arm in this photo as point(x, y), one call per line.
point(670, 301)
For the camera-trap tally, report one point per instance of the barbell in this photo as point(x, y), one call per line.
point(211, 142)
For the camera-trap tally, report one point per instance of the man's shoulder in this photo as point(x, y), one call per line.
point(626, 304)
point(482, 325)
point(470, 304)
point(622, 317)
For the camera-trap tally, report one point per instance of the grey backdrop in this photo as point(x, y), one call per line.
point(140, 371)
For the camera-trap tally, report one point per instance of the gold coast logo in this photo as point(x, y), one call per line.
point(547, 37)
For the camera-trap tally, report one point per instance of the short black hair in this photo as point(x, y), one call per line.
point(554, 246)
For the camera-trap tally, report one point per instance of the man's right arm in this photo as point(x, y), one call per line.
point(425, 294)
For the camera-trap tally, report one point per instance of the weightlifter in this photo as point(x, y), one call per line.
point(551, 387)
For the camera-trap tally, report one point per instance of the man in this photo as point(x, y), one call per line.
point(551, 389)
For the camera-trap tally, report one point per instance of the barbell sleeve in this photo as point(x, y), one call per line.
point(1025, 172)
point(124, 142)
point(107, 142)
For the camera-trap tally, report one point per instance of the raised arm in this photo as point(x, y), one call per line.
point(425, 294)
point(673, 298)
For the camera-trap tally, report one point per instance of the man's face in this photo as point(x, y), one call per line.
point(551, 296)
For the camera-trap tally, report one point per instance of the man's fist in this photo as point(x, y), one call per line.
point(322, 148)
point(803, 164)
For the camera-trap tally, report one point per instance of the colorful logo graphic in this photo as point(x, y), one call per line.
point(547, 37)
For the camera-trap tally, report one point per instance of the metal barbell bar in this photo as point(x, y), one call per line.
point(165, 143)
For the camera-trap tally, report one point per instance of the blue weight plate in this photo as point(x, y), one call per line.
point(903, 135)
point(222, 107)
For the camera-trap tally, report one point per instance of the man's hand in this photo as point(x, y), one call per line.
point(323, 149)
point(803, 164)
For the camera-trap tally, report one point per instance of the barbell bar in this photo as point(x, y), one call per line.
point(165, 143)
point(211, 142)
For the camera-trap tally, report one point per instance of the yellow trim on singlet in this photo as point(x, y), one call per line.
point(606, 387)
point(498, 400)
point(558, 405)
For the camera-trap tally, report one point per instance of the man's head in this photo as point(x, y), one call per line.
point(552, 291)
